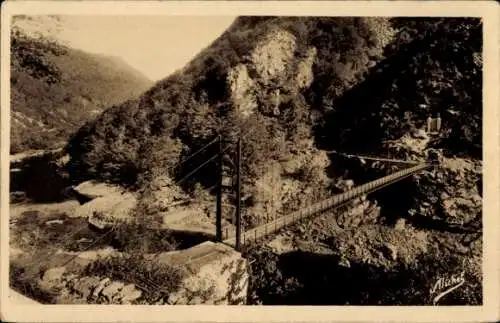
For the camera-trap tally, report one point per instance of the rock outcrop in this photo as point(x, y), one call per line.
point(215, 274)
point(74, 289)
point(103, 291)
point(272, 69)
point(451, 192)
point(93, 189)
point(108, 203)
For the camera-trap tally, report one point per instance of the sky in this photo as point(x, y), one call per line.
point(155, 45)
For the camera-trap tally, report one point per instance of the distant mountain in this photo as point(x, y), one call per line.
point(55, 89)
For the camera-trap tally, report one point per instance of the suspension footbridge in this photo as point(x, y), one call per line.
point(256, 233)
point(239, 237)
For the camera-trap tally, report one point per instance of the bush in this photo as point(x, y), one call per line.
point(267, 284)
point(139, 238)
point(29, 286)
point(156, 280)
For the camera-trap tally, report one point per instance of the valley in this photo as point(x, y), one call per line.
point(126, 210)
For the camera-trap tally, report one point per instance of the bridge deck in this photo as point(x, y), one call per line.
point(370, 187)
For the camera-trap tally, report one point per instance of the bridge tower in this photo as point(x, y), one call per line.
point(238, 195)
point(229, 180)
point(218, 207)
point(433, 125)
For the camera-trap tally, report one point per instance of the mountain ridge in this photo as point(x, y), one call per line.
point(56, 88)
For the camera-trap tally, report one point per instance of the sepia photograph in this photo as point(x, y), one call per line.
point(245, 159)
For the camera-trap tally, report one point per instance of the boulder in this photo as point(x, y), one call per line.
point(103, 211)
point(82, 290)
point(99, 253)
point(53, 274)
point(54, 222)
point(97, 291)
point(400, 224)
point(84, 240)
point(110, 292)
point(85, 285)
point(197, 300)
point(129, 293)
point(420, 134)
point(344, 262)
point(215, 273)
point(93, 189)
point(390, 251)
point(63, 160)
point(281, 244)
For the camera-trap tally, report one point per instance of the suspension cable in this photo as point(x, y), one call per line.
point(198, 151)
point(212, 158)
point(372, 158)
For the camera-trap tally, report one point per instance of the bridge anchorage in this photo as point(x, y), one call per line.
point(240, 237)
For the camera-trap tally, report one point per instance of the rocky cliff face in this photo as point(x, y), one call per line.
point(458, 199)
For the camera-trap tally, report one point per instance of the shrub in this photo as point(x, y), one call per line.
point(143, 239)
point(29, 286)
point(156, 280)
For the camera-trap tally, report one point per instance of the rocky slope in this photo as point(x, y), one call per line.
point(429, 227)
point(55, 89)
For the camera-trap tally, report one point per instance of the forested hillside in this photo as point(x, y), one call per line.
point(432, 67)
point(239, 75)
point(296, 84)
point(55, 89)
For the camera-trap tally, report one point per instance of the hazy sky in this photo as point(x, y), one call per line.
point(154, 45)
